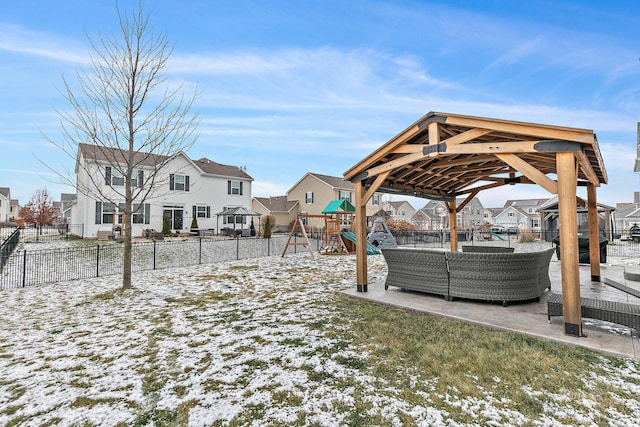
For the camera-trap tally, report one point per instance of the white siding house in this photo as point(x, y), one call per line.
point(184, 188)
point(5, 204)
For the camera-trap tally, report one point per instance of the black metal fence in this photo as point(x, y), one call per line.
point(621, 245)
point(34, 267)
point(8, 245)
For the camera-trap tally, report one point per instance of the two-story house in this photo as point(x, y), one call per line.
point(400, 210)
point(436, 215)
point(522, 212)
point(181, 190)
point(314, 191)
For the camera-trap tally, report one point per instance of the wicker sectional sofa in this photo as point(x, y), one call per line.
point(500, 277)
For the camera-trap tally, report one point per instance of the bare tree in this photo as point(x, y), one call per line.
point(122, 109)
point(40, 210)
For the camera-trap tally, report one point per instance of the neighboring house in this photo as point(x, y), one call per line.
point(400, 210)
point(421, 221)
point(183, 189)
point(314, 191)
point(627, 214)
point(471, 216)
point(436, 215)
point(524, 212)
point(282, 211)
point(67, 200)
point(14, 210)
point(5, 204)
point(511, 217)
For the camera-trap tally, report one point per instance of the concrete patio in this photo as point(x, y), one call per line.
point(530, 317)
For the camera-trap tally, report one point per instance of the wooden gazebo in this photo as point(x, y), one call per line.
point(443, 156)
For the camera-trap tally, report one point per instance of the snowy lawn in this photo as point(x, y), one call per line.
point(271, 341)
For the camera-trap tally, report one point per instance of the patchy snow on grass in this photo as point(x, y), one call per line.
point(249, 342)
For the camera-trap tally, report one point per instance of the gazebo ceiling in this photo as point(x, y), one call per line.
point(443, 155)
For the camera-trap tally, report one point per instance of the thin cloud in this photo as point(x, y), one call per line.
point(16, 39)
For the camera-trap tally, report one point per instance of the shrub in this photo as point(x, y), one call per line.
point(267, 228)
point(166, 227)
point(194, 223)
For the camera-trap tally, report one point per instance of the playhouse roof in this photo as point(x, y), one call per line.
point(338, 206)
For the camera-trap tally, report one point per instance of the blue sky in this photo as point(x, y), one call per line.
point(289, 87)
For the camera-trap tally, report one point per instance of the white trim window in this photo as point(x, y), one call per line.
point(178, 182)
point(308, 197)
point(344, 195)
point(201, 211)
point(113, 177)
point(375, 200)
point(234, 187)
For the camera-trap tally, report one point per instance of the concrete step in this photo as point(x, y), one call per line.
point(632, 272)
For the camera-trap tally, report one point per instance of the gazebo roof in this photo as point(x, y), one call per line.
point(444, 155)
point(238, 211)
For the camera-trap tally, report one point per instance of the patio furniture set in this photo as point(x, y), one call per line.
point(487, 276)
point(498, 274)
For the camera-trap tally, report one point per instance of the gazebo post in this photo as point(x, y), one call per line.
point(361, 236)
point(453, 224)
point(594, 234)
point(568, 217)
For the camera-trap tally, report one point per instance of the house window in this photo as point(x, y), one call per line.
point(141, 213)
point(308, 197)
point(137, 179)
point(105, 212)
point(113, 177)
point(375, 200)
point(344, 195)
point(234, 187)
point(510, 214)
point(201, 211)
point(110, 213)
point(179, 182)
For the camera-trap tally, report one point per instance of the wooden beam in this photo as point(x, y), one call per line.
point(569, 252)
point(594, 234)
point(587, 169)
point(374, 187)
point(520, 128)
point(395, 163)
point(377, 155)
point(434, 133)
point(531, 172)
point(361, 238)
point(467, 200)
point(453, 224)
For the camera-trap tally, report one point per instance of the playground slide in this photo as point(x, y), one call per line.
point(496, 235)
point(351, 236)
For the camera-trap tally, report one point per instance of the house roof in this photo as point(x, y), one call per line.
point(5, 191)
point(116, 156)
point(213, 168)
point(443, 155)
point(67, 197)
point(525, 202)
point(338, 206)
point(334, 181)
point(277, 203)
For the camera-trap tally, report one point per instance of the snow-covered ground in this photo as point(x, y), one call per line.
point(216, 343)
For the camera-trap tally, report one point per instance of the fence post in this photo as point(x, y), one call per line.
point(97, 260)
point(269, 247)
point(200, 250)
point(24, 268)
point(154, 254)
point(237, 247)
